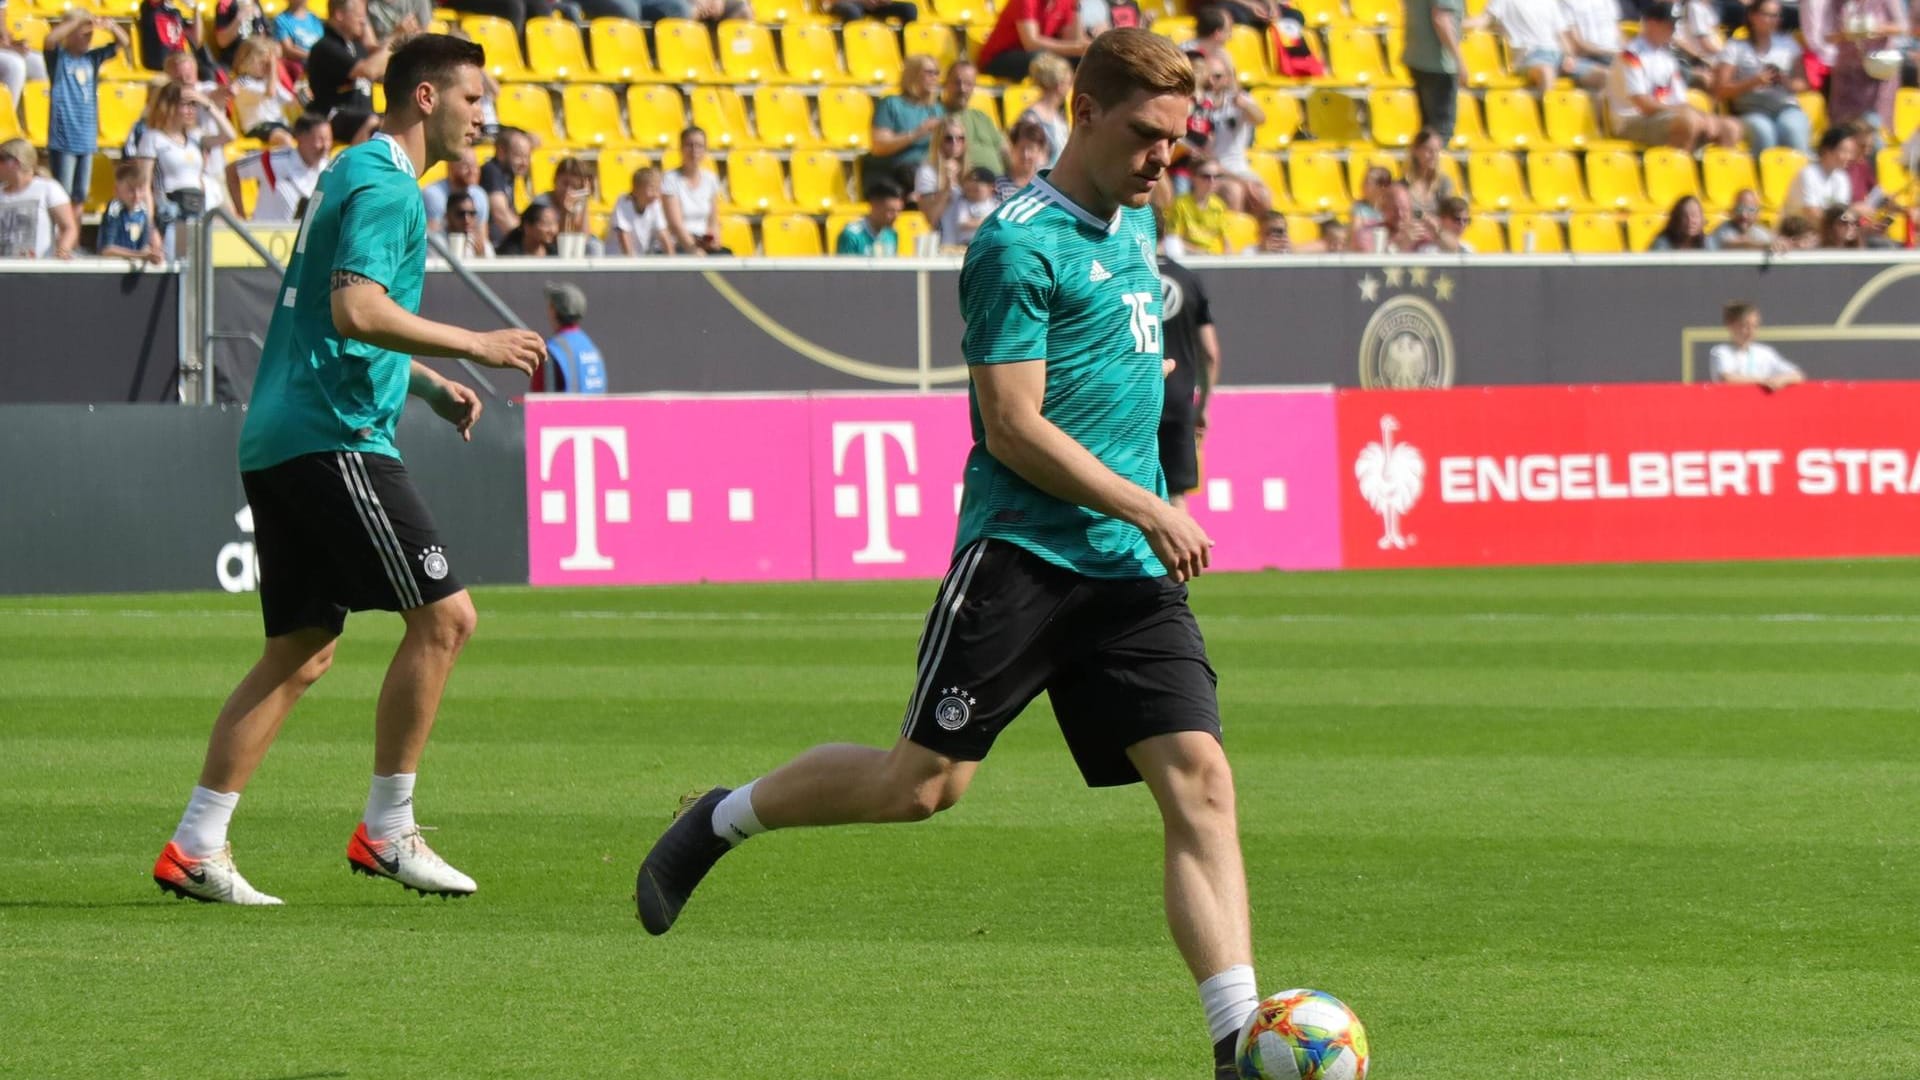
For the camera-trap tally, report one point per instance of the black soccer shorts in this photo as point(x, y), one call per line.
point(1120, 660)
point(1180, 455)
point(338, 532)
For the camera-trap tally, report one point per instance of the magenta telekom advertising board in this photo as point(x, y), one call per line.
point(660, 490)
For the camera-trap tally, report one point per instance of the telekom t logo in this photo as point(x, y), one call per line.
point(874, 435)
point(588, 512)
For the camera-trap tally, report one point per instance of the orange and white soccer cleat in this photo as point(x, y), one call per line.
point(408, 860)
point(211, 879)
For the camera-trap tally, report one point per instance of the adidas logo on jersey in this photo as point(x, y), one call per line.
point(1098, 273)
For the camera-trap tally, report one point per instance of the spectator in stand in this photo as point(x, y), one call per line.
point(127, 230)
point(1293, 55)
point(1697, 36)
point(639, 222)
point(465, 231)
point(1198, 218)
point(1029, 28)
point(518, 12)
point(1258, 14)
point(1054, 77)
point(964, 215)
point(1798, 234)
point(1593, 32)
point(1758, 77)
point(507, 179)
point(1426, 183)
point(260, 100)
point(36, 217)
point(577, 367)
point(1026, 156)
point(1375, 190)
point(286, 176)
point(398, 18)
point(904, 123)
point(1860, 30)
point(1841, 229)
point(164, 30)
point(1336, 237)
point(849, 10)
point(1647, 95)
point(341, 71)
point(986, 144)
point(1538, 38)
point(1398, 228)
point(937, 182)
point(873, 235)
point(463, 175)
point(572, 194)
point(538, 233)
point(298, 30)
point(176, 143)
point(1746, 361)
point(1824, 182)
point(1212, 26)
point(690, 194)
point(1432, 56)
point(17, 62)
point(1743, 231)
point(1232, 115)
point(1449, 235)
point(73, 98)
point(234, 21)
point(1686, 229)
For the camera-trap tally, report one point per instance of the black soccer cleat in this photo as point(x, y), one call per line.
point(1225, 1067)
point(679, 859)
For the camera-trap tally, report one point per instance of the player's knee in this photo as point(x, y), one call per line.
point(450, 623)
point(927, 800)
point(1203, 791)
point(314, 667)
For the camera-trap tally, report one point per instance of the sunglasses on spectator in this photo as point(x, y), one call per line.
point(1207, 175)
point(1850, 221)
point(953, 138)
point(1460, 218)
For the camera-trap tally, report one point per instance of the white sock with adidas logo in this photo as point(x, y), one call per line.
point(389, 806)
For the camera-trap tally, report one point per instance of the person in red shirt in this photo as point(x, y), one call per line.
point(1028, 28)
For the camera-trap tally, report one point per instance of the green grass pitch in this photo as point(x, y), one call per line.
point(1569, 824)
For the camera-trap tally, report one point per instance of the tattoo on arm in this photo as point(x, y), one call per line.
point(347, 279)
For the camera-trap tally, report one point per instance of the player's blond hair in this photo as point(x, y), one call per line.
point(1123, 62)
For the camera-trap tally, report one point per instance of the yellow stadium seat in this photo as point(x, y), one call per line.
point(9, 117)
point(1513, 120)
point(846, 118)
point(530, 108)
point(1334, 117)
point(1906, 113)
point(34, 104)
point(1394, 116)
point(1271, 173)
point(656, 114)
point(1554, 178)
point(1778, 167)
point(121, 105)
point(965, 12)
point(1571, 119)
point(1283, 119)
point(502, 46)
point(1319, 185)
point(756, 183)
point(837, 223)
point(780, 12)
point(1178, 29)
point(736, 234)
point(1322, 12)
point(1247, 48)
point(1535, 234)
point(620, 51)
point(1486, 62)
point(1469, 127)
point(1642, 228)
point(1355, 59)
point(984, 100)
point(1613, 179)
point(819, 181)
point(910, 226)
point(873, 53)
point(1493, 177)
point(1302, 229)
point(1242, 233)
point(1890, 170)
point(1815, 106)
point(791, 235)
point(719, 111)
point(1450, 168)
point(781, 118)
point(925, 37)
point(119, 67)
point(811, 53)
point(746, 53)
point(1378, 13)
point(542, 167)
point(555, 52)
point(684, 52)
point(1725, 173)
point(1362, 160)
point(29, 30)
point(1595, 234)
point(1670, 177)
point(100, 185)
point(1483, 235)
point(592, 115)
point(1014, 99)
point(616, 169)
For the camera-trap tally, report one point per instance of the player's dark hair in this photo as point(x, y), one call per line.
point(429, 58)
point(884, 189)
point(1735, 311)
point(306, 122)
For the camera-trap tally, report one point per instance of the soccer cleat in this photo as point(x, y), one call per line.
point(1225, 1064)
point(408, 860)
point(679, 859)
point(212, 879)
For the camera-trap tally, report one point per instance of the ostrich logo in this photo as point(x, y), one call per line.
point(1391, 477)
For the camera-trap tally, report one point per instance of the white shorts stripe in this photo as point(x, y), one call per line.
point(411, 596)
point(940, 628)
point(365, 503)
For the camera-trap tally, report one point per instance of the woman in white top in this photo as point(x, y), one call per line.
point(689, 194)
point(1052, 76)
point(176, 142)
point(36, 217)
point(1759, 76)
point(1824, 182)
point(936, 182)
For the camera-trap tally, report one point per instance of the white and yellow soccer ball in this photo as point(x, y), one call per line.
point(1303, 1035)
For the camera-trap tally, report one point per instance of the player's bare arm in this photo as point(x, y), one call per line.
point(1023, 440)
point(453, 402)
point(363, 311)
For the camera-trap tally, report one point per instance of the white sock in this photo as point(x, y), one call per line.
point(734, 819)
point(203, 828)
point(1229, 998)
point(389, 806)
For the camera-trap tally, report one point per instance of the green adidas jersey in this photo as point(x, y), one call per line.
point(316, 390)
point(1046, 280)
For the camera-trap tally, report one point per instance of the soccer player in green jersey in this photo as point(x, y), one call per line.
point(1069, 568)
point(338, 527)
